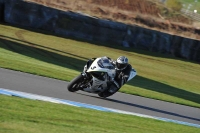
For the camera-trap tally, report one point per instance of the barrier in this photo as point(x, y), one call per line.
point(79, 26)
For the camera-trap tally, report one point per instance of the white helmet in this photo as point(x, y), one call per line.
point(121, 62)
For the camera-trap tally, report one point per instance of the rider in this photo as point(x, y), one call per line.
point(123, 69)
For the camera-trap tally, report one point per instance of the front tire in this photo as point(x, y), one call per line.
point(74, 85)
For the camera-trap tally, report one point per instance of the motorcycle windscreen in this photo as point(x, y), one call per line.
point(105, 63)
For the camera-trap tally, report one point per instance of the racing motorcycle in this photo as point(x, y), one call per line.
point(99, 78)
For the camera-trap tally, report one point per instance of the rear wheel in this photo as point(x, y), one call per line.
point(105, 94)
point(74, 85)
point(113, 89)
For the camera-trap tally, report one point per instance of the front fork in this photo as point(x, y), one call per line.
point(87, 78)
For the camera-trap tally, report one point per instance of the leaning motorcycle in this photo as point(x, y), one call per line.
point(98, 78)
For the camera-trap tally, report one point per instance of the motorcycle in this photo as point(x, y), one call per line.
point(99, 78)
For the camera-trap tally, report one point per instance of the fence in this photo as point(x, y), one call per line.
point(191, 14)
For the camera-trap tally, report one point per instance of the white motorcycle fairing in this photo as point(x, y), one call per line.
point(103, 68)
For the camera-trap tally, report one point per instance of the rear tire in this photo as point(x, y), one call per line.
point(107, 92)
point(74, 85)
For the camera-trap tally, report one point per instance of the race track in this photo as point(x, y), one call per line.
point(58, 89)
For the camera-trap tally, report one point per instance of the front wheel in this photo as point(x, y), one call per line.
point(74, 85)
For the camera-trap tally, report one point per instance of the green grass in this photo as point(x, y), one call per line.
point(20, 115)
point(159, 76)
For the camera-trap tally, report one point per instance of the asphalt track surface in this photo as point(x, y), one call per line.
point(24, 82)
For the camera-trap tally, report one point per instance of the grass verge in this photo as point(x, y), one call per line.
point(20, 115)
point(159, 76)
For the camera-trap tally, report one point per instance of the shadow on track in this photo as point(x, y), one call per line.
point(152, 109)
point(142, 107)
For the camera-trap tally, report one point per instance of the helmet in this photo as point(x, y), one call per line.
point(121, 62)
